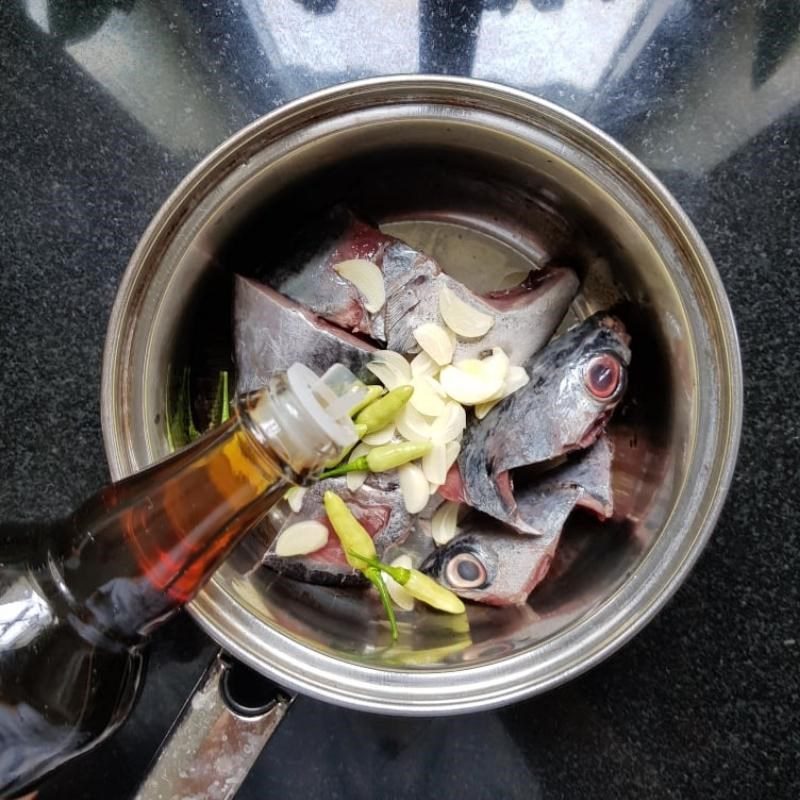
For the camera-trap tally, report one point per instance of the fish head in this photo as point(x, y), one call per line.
point(491, 564)
point(467, 565)
point(575, 384)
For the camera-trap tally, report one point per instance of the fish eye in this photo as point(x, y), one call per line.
point(603, 376)
point(465, 571)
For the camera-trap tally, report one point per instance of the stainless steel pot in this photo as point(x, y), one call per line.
point(447, 161)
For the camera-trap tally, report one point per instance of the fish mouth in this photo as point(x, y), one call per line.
point(592, 433)
point(536, 283)
point(505, 489)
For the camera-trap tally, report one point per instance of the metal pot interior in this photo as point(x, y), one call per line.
point(481, 189)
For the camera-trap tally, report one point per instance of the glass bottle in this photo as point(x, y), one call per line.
point(78, 597)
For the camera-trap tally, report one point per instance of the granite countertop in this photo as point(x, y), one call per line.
point(107, 104)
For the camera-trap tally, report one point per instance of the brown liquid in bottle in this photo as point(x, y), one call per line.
point(77, 597)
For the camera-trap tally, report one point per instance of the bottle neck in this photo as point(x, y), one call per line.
point(143, 547)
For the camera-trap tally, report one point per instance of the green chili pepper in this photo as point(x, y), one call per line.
point(353, 536)
point(383, 458)
point(373, 393)
point(181, 429)
point(350, 531)
point(221, 410)
point(419, 585)
point(381, 412)
point(361, 430)
point(376, 579)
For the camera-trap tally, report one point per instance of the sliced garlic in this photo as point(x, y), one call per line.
point(452, 449)
point(436, 342)
point(294, 497)
point(367, 278)
point(444, 523)
point(422, 364)
point(414, 487)
point(516, 378)
point(400, 596)
point(390, 368)
point(482, 409)
point(397, 361)
point(301, 538)
point(429, 398)
point(471, 382)
point(434, 464)
point(461, 317)
point(474, 381)
point(450, 424)
point(497, 364)
point(412, 425)
point(383, 436)
point(355, 480)
point(385, 374)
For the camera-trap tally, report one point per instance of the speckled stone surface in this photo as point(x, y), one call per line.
point(105, 105)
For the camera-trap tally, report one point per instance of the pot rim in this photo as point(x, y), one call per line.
point(586, 641)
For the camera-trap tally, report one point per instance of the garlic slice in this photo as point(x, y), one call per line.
point(422, 364)
point(397, 361)
point(294, 496)
point(414, 487)
point(390, 368)
point(429, 398)
point(452, 449)
point(474, 381)
point(444, 523)
point(367, 278)
point(436, 342)
point(383, 436)
point(450, 424)
point(301, 538)
point(412, 425)
point(515, 379)
point(385, 374)
point(401, 597)
point(355, 480)
point(497, 364)
point(434, 464)
point(461, 317)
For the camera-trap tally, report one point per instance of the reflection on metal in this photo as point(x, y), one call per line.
point(573, 45)
point(140, 59)
point(309, 49)
point(24, 612)
point(725, 107)
point(211, 748)
point(37, 11)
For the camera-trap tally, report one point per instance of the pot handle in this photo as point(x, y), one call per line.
point(220, 732)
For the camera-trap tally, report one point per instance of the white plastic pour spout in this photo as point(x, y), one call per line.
point(328, 400)
point(306, 418)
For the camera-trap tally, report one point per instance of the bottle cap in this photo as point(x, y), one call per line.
point(328, 400)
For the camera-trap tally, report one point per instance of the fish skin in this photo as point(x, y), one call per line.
point(272, 332)
point(514, 565)
point(378, 505)
point(308, 276)
point(554, 414)
point(525, 317)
